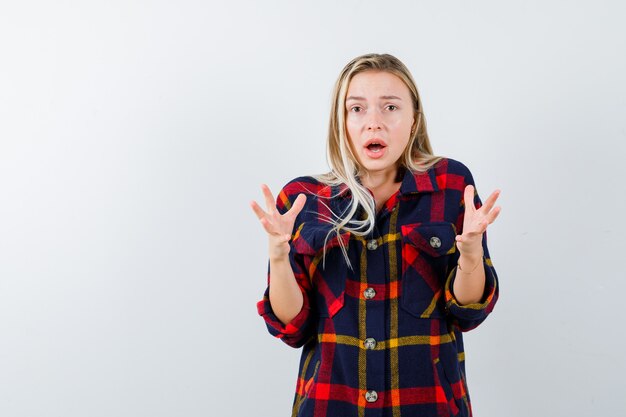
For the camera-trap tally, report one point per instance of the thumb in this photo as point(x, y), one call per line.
point(297, 205)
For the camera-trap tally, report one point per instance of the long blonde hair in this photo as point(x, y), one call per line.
point(344, 166)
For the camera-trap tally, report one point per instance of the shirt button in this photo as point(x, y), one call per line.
point(371, 396)
point(435, 242)
point(369, 293)
point(372, 244)
point(369, 343)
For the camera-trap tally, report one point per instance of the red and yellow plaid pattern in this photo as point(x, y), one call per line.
point(383, 338)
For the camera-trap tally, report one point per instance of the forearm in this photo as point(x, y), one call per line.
point(285, 294)
point(469, 284)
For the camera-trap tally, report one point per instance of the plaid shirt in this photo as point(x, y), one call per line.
point(385, 337)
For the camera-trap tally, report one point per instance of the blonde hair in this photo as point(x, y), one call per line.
point(344, 166)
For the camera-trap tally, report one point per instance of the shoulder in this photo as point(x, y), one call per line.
point(305, 184)
point(308, 185)
point(452, 171)
point(451, 166)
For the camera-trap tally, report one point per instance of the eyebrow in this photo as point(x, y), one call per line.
point(382, 97)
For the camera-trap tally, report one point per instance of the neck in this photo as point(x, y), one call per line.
point(380, 179)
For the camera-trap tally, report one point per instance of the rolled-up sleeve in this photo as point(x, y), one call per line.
point(298, 330)
point(469, 316)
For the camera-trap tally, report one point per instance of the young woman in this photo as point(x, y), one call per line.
point(377, 267)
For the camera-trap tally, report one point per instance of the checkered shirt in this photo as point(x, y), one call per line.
point(383, 338)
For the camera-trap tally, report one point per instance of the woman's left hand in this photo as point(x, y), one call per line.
point(475, 222)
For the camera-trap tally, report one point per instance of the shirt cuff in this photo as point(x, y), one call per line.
point(473, 311)
point(275, 326)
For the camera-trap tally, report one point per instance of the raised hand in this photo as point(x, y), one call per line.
point(278, 226)
point(475, 222)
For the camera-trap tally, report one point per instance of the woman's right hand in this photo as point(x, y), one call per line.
point(278, 226)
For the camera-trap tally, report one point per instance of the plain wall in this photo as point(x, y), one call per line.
point(134, 134)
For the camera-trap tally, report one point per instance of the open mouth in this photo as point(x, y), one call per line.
point(375, 147)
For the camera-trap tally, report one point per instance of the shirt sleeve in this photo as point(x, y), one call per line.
point(298, 330)
point(469, 316)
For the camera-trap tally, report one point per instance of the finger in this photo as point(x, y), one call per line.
point(297, 206)
point(493, 214)
point(260, 213)
point(274, 234)
point(468, 237)
point(490, 201)
point(487, 220)
point(270, 202)
point(269, 227)
point(465, 241)
point(469, 199)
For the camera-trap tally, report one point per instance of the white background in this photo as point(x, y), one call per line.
point(133, 135)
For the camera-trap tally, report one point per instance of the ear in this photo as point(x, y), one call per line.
point(414, 125)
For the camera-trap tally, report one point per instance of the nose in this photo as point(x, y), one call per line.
point(373, 123)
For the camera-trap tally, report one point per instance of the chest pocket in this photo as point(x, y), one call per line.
point(426, 252)
point(327, 276)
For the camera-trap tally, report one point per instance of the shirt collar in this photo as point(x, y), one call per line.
point(412, 183)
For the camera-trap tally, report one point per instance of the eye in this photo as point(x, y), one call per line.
point(355, 109)
point(392, 107)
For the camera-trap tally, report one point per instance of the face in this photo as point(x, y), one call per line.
point(379, 118)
